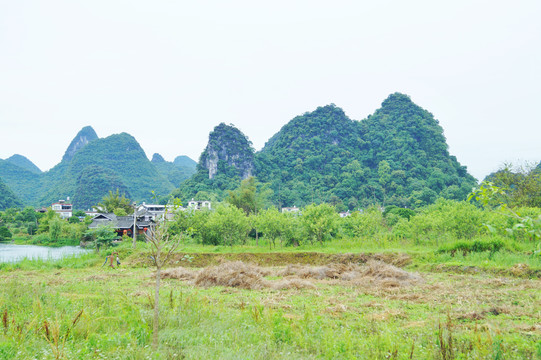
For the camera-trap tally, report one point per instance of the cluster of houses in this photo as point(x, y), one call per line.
point(145, 215)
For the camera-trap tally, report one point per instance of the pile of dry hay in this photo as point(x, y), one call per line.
point(247, 276)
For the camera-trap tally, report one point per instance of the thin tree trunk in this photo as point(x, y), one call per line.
point(156, 302)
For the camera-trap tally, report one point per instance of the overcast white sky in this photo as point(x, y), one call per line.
point(167, 72)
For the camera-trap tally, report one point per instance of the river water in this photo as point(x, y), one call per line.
point(14, 253)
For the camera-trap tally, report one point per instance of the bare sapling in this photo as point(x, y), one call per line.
point(162, 247)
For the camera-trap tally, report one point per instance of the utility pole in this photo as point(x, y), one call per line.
point(134, 232)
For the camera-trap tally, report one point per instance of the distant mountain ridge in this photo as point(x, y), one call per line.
point(7, 198)
point(90, 168)
point(23, 162)
point(396, 156)
point(83, 137)
point(177, 171)
point(227, 158)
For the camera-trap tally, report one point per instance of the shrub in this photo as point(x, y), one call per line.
point(5, 234)
point(492, 245)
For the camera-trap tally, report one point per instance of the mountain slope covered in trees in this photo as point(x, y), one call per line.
point(118, 159)
point(7, 198)
point(83, 137)
point(90, 168)
point(23, 162)
point(176, 171)
point(25, 184)
point(396, 156)
point(227, 158)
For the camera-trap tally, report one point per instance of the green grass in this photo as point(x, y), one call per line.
point(473, 315)
point(330, 322)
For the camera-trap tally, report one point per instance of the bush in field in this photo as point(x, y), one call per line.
point(319, 222)
point(401, 212)
point(55, 228)
point(444, 219)
point(5, 234)
point(102, 236)
point(230, 224)
point(204, 231)
point(369, 223)
point(271, 223)
point(491, 245)
point(276, 225)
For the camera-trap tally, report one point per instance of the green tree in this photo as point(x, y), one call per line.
point(113, 201)
point(230, 223)
point(272, 224)
point(521, 185)
point(251, 196)
point(74, 220)
point(5, 234)
point(55, 228)
point(102, 237)
point(319, 221)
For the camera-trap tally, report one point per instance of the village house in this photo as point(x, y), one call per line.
point(293, 209)
point(63, 208)
point(123, 225)
point(199, 204)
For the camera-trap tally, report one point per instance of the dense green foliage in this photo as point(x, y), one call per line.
point(5, 234)
point(26, 185)
point(23, 162)
point(177, 171)
point(227, 159)
point(396, 156)
point(90, 168)
point(48, 228)
point(95, 182)
point(7, 198)
point(251, 196)
point(114, 202)
point(521, 185)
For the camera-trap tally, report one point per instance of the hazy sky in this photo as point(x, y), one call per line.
point(167, 72)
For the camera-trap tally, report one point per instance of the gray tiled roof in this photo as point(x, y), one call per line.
point(118, 222)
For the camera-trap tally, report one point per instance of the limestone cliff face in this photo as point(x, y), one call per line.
point(83, 137)
point(228, 149)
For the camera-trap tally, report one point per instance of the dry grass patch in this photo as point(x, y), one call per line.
point(179, 273)
point(238, 274)
point(374, 271)
point(232, 274)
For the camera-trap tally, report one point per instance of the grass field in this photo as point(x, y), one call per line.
point(333, 306)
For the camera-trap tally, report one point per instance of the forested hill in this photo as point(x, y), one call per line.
point(24, 183)
point(115, 161)
point(407, 140)
point(227, 158)
point(7, 198)
point(396, 156)
point(23, 162)
point(90, 168)
point(306, 159)
point(176, 171)
point(86, 135)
